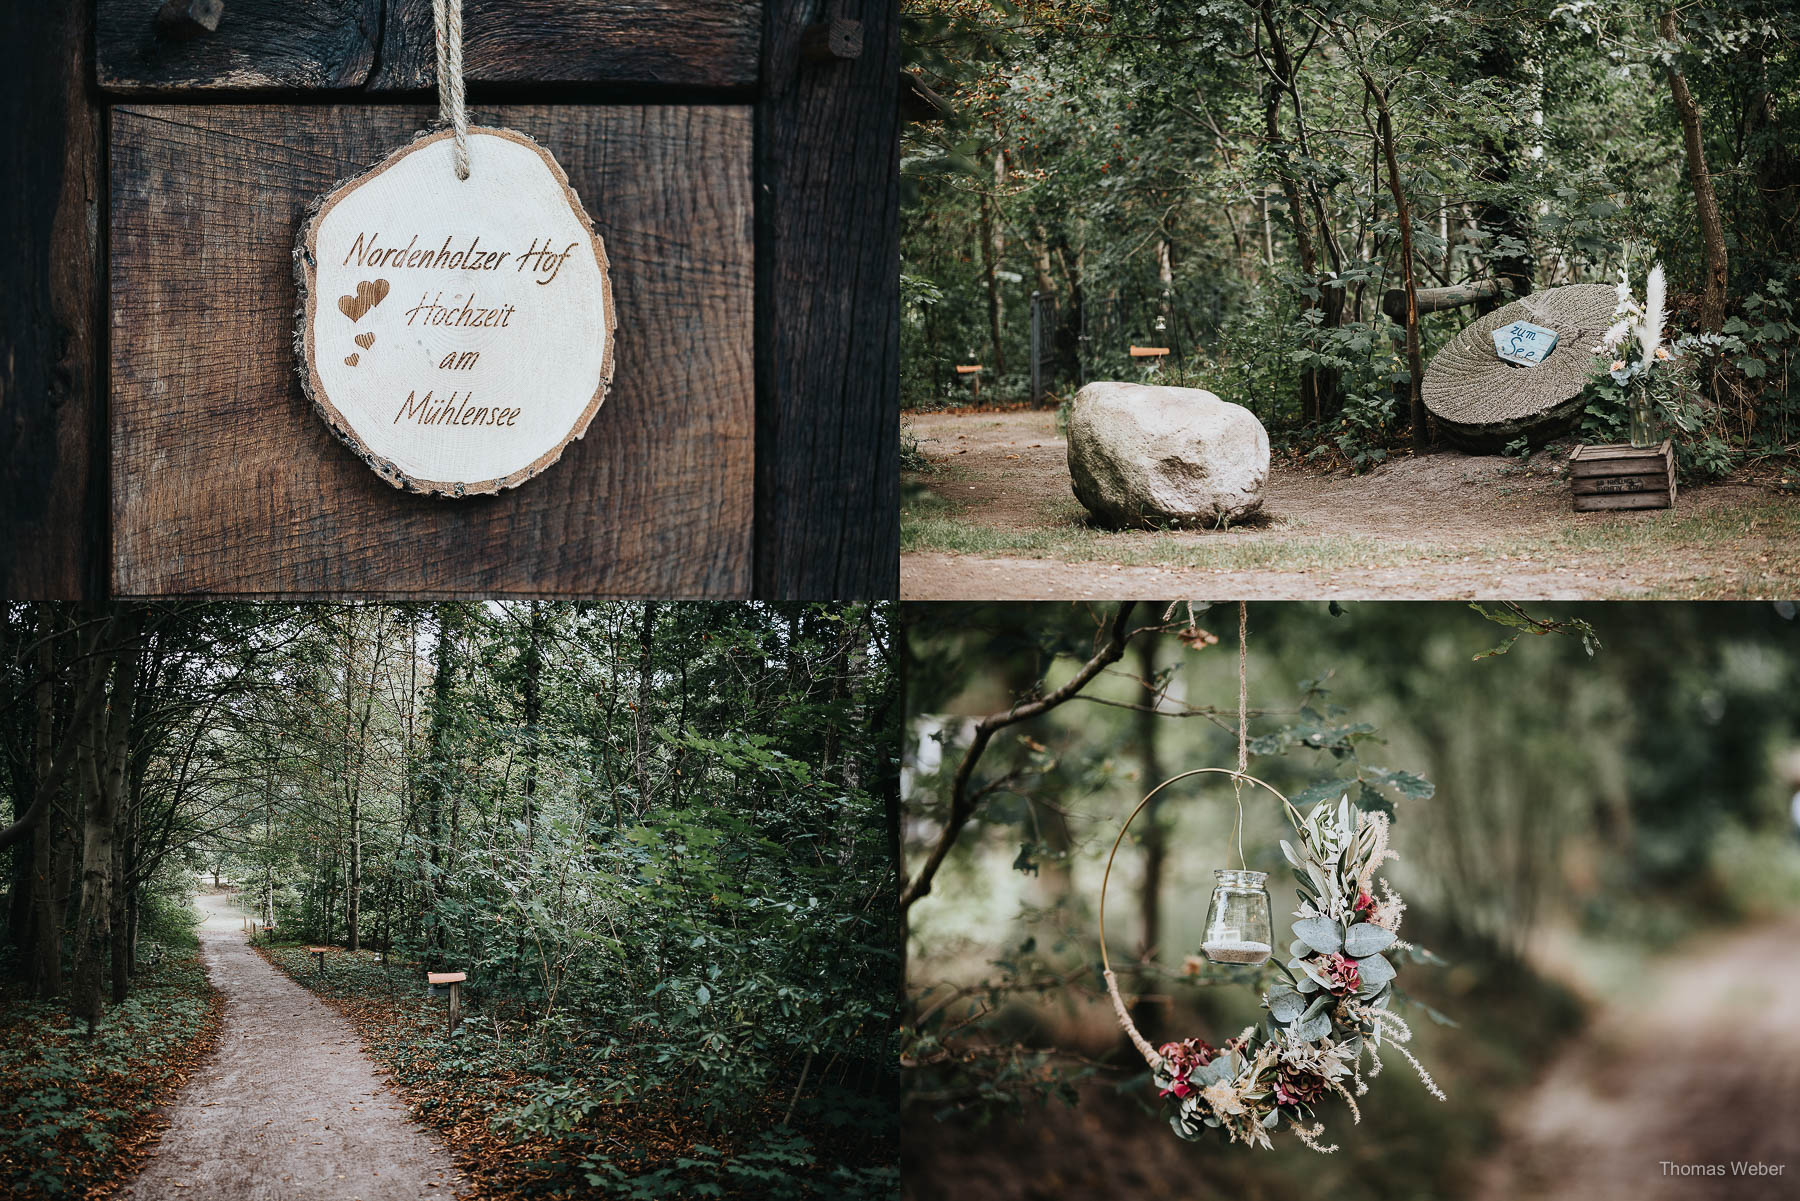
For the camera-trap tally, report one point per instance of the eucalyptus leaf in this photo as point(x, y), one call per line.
point(1312, 1029)
point(1271, 1119)
point(1307, 984)
point(1317, 1007)
point(1321, 934)
point(1298, 950)
point(1366, 938)
point(1285, 1004)
point(1376, 973)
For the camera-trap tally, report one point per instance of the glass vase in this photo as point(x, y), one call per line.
point(1237, 925)
point(1643, 428)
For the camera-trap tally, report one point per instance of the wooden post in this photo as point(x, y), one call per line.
point(455, 981)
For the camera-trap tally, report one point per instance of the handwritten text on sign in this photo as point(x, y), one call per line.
point(458, 333)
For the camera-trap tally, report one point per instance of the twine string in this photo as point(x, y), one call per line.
point(451, 110)
point(1243, 748)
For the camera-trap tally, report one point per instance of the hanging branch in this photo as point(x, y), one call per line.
point(963, 798)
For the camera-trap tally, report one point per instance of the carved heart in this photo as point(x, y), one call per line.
point(352, 359)
point(369, 293)
point(365, 340)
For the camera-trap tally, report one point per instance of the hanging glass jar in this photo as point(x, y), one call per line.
point(1237, 925)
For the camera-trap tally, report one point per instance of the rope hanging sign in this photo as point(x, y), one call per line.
point(1330, 1013)
point(456, 317)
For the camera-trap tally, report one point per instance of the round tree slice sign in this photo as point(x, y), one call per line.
point(456, 333)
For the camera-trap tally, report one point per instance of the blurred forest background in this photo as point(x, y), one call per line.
point(655, 836)
point(1595, 836)
point(1253, 183)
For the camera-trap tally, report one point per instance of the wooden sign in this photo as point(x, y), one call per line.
point(457, 334)
point(1524, 343)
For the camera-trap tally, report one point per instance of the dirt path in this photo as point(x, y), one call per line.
point(290, 1108)
point(1442, 526)
point(1699, 1066)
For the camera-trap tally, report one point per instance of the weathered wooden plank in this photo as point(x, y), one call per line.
point(299, 44)
point(686, 43)
point(388, 45)
point(1624, 500)
point(52, 508)
point(223, 478)
point(827, 313)
point(1601, 485)
point(1594, 467)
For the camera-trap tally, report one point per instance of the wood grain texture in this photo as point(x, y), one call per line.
point(828, 311)
point(684, 43)
point(388, 45)
point(51, 308)
point(225, 481)
point(258, 44)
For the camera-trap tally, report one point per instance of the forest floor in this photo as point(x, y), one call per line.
point(994, 518)
point(290, 1106)
point(1698, 1064)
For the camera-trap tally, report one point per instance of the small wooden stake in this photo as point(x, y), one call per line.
point(454, 980)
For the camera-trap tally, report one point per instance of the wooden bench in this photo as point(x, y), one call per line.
point(455, 981)
point(319, 953)
point(972, 372)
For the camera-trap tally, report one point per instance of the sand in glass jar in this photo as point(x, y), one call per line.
point(1237, 925)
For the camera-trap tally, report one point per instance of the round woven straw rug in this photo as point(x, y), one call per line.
point(1483, 402)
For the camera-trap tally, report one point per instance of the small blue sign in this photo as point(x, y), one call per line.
point(1524, 343)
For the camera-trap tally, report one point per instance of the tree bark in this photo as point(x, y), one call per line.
point(641, 715)
point(1155, 838)
point(1706, 203)
point(106, 784)
point(993, 248)
point(1415, 367)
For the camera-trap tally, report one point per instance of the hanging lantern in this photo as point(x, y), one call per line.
point(1237, 925)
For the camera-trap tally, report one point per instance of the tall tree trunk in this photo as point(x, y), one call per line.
point(993, 249)
point(641, 717)
point(1505, 221)
point(1320, 387)
point(1155, 838)
point(1706, 204)
point(533, 710)
point(106, 784)
point(1415, 367)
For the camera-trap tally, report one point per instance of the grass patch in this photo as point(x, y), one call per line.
point(1655, 547)
point(77, 1115)
point(547, 1108)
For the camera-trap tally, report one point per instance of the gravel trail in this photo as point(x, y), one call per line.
point(291, 1107)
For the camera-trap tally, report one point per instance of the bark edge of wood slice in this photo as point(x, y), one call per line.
point(354, 305)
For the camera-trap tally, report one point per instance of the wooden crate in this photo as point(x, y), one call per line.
point(1622, 477)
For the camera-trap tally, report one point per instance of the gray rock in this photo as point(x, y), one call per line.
point(1141, 454)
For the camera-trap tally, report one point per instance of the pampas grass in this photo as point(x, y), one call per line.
point(1649, 331)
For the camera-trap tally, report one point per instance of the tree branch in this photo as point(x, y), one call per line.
point(963, 799)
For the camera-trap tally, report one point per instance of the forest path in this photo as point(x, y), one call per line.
point(1699, 1065)
point(1439, 527)
point(290, 1108)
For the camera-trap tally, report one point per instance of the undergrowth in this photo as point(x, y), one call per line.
point(541, 1107)
point(78, 1115)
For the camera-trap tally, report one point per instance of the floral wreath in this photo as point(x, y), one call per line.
point(1332, 1012)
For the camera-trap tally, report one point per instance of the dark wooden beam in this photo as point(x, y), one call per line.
point(52, 332)
point(827, 308)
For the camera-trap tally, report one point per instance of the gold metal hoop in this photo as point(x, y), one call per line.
point(1112, 983)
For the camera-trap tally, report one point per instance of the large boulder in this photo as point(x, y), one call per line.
point(1140, 454)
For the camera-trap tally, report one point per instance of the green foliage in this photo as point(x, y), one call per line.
point(70, 1106)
